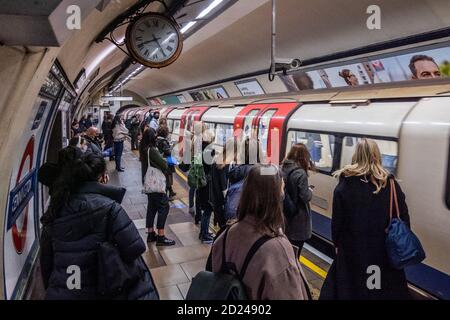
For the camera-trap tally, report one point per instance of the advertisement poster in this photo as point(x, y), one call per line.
point(216, 93)
point(422, 64)
point(250, 88)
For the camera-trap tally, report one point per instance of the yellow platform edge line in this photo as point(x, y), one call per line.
point(317, 270)
point(310, 265)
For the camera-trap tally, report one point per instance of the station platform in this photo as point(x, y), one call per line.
point(174, 267)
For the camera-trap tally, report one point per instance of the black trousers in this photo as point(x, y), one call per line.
point(158, 204)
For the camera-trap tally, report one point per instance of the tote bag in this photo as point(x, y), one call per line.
point(402, 246)
point(155, 180)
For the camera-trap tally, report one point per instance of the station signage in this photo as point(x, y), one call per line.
point(20, 196)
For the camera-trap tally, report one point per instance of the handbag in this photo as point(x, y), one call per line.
point(171, 161)
point(115, 275)
point(155, 180)
point(402, 245)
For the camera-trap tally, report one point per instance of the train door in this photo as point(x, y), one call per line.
point(266, 122)
point(187, 123)
point(243, 124)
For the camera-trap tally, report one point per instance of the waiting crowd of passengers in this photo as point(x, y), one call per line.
point(263, 213)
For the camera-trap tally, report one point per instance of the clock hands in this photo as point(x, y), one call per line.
point(150, 41)
point(159, 45)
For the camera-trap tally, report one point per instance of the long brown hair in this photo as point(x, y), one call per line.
point(300, 155)
point(261, 199)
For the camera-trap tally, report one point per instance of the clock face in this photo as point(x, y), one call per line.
point(154, 40)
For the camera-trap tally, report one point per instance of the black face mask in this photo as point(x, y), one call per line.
point(156, 116)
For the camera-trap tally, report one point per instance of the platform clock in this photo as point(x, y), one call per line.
point(154, 40)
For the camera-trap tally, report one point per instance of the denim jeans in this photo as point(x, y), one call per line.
point(118, 151)
point(191, 197)
point(204, 224)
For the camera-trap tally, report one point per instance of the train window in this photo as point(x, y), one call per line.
point(223, 133)
point(388, 149)
point(176, 127)
point(170, 124)
point(248, 123)
point(320, 145)
point(263, 132)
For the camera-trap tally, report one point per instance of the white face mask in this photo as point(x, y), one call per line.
point(84, 148)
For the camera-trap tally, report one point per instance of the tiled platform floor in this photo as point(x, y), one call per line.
point(174, 267)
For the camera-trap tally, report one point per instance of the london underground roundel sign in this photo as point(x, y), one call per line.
point(19, 198)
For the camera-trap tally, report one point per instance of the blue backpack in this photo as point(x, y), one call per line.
point(402, 245)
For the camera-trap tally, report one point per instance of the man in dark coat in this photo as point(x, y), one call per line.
point(108, 136)
point(360, 218)
point(73, 238)
point(134, 132)
point(93, 144)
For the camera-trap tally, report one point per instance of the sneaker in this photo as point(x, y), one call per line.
point(120, 170)
point(207, 239)
point(163, 241)
point(151, 237)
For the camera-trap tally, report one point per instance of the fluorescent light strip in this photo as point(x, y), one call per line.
point(188, 26)
point(208, 9)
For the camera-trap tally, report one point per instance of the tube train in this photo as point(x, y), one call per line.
point(410, 123)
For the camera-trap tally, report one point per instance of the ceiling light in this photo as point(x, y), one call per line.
point(209, 8)
point(188, 26)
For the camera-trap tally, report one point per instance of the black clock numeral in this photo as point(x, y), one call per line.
point(141, 46)
point(169, 33)
point(139, 39)
point(169, 48)
point(146, 53)
point(156, 23)
point(140, 30)
point(155, 57)
point(172, 40)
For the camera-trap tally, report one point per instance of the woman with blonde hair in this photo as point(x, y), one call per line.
point(361, 204)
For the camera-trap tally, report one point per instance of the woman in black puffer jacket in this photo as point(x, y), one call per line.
point(82, 213)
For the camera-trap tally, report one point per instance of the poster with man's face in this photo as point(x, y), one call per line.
point(423, 64)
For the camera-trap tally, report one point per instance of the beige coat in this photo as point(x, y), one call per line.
point(274, 273)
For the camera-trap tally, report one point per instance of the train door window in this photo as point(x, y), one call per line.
point(388, 150)
point(170, 125)
point(248, 123)
point(224, 132)
point(321, 146)
point(263, 132)
point(192, 120)
point(176, 127)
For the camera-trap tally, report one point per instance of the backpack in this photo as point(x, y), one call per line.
point(197, 176)
point(289, 204)
point(226, 284)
